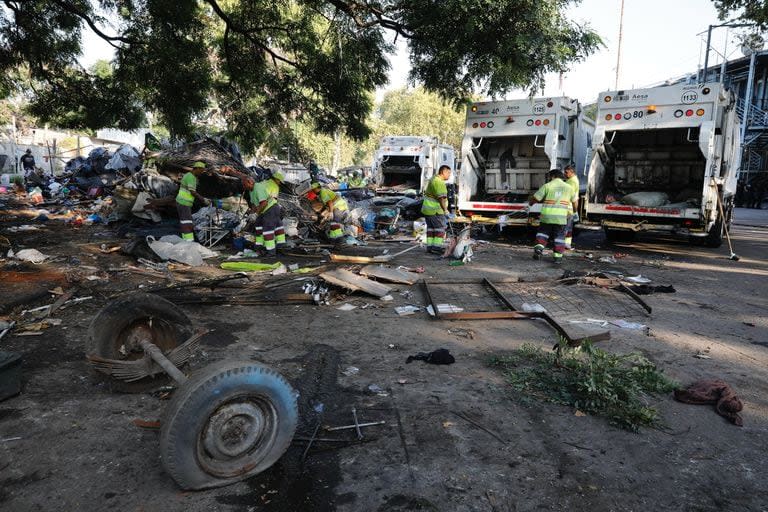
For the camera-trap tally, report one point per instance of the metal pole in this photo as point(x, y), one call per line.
point(747, 103)
point(618, 56)
point(706, 54)
point(725, 57)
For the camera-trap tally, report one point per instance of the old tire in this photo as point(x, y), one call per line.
point(114, 333)
point(228, 422)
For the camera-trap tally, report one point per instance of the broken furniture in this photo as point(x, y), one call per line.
point(354, 282)
point(554, 301)
point(224, 423)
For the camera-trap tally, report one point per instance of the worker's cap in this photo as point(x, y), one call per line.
point(315, 185)
point(277, 175)
point(199, 165)
point(28, 150)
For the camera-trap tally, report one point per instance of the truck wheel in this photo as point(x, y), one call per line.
point(114, 333)
point(716, 233)
point(228, 422)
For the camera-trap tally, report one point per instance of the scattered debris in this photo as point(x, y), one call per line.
point(350, 281)
point(392, 275)
point(439, 356)
point(351, 370)
point(346, 307)
point(717, 392)
point(628, 325)
point(638, 279)
point(31, 255)
point(407, 310)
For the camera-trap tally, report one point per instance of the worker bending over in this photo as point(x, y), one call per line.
point(573, 217)
point(337, 209)
point(186, 198)
point(435, 208)
point(558, 199)
point(269, 228)
point(357, 180)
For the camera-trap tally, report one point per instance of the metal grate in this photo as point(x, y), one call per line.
point(576, 299)
point(558, 299)
point(472, 297)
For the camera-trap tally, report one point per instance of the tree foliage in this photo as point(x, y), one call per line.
point(401, 111)
point(255, 66)
point(755, 11)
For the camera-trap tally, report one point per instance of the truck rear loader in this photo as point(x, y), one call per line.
point(662, 158)
point(508, 148)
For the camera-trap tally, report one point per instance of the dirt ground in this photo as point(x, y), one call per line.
point(455, 437)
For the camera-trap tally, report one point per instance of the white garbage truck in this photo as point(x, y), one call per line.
point(664, 159)
point(507, 150)
point(408, 162)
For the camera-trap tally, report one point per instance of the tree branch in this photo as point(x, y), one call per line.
point(248, 34)
point(352, 9)
point(87, 19)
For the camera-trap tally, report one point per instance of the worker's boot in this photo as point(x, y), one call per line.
point(537, 254)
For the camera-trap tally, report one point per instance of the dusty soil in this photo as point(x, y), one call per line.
point(455, 438)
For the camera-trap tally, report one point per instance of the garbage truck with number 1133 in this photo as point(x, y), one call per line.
point(664, 159)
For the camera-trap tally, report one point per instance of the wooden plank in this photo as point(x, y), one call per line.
point(347, 279)
point(393, 275)
point(386, 258)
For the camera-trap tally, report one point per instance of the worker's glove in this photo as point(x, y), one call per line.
point(576, 218)
point(450, 216)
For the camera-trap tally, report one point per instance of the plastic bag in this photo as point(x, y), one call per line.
point(32, 256)
point(172, 247)
point(647, 199)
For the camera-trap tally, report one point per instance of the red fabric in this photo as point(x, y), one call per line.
point(716, 392)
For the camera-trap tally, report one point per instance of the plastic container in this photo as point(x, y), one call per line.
point(35, 195)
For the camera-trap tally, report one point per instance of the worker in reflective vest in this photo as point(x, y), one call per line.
point(337, 208)
point(357, 180)
point(435, 208)
point(186, 198)
point(269, 225)
point(558, 199)
point(573, 181)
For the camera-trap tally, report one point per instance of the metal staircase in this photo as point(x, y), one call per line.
point(754, 139)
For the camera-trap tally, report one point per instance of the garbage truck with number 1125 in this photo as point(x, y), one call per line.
point(508, 148)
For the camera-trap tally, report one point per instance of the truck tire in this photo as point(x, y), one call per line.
point(715, 235)
point(229, 421)
point(114, 331)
